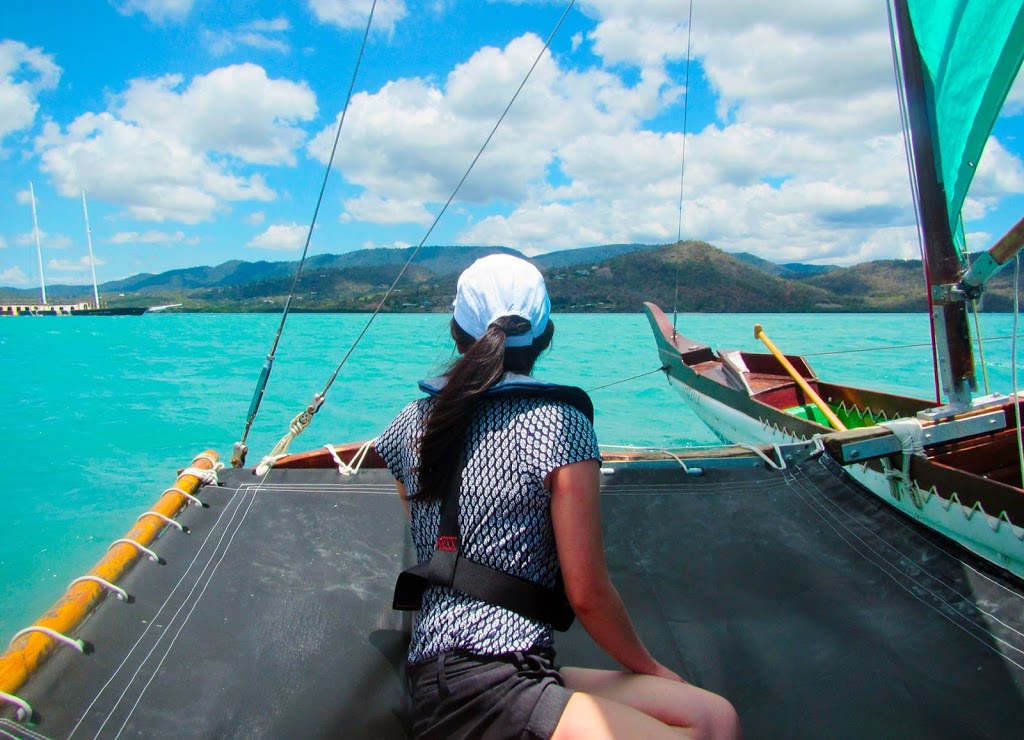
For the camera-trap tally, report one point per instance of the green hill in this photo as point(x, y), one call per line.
point(691, 277)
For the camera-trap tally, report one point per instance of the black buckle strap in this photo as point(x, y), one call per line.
point(446, 567)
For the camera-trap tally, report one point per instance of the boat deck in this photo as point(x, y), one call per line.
point(814, 608)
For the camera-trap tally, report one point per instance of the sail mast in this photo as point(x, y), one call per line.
point(35, 232)
point(952, 334)
point(92, 262)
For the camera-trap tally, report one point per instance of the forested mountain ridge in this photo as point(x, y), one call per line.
point(689, 277)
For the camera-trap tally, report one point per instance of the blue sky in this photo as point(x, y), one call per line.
point(200, 129)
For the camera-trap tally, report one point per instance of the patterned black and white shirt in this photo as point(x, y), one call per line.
point(504, 518)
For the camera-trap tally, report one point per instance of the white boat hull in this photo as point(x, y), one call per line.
point(992, 538)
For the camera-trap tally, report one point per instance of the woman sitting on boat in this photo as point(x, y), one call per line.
point(522, 461)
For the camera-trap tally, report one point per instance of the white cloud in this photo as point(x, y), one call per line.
point(73, 266)
point(379, 210)
point(3, 243)
point(353, 14)
point(14, 277)
point(152, 237)
point(265, 35)
point(806, 161)
point(255, 218)
point(158, 11)
point(24, 73)
point(170, 152)
point(46, 240)
point(281, 236)
point(413, 140)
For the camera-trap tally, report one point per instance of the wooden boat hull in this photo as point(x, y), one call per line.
point(959, 501)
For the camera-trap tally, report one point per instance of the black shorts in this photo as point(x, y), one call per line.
point(462, 695)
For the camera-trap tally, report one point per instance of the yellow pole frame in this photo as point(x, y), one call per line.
point(29, 652)
point(815, 398)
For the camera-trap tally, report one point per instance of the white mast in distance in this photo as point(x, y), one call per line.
point(39, 251)
point(92, 262)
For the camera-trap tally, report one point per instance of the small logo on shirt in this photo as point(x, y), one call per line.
point(448, 544)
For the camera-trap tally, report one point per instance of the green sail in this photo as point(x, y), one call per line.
point(971, 52)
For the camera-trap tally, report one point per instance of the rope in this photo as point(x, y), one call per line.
point(626, 380)
point(350, 468)
point(780, 465)
point(893, 346)
point(912, 176)
point(1013, 363)
point(240, 450)
point(281, 448)
point(208, 477)
point(910, 433)
point(981, 346)
point(682, 164)
point(24, 712)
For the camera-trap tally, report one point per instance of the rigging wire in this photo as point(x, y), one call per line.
point(888, 347)
point(451, 198)
point(981, 346)
point(661, 369)
point(682, 165)
point(1013, 363)
point(912, 176)
point(303, 419)
point(240, 449)
point(973, 309)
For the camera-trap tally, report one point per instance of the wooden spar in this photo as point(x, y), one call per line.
point(815, 398)
point(29, 652)
point(952, 334)
point(997, 256)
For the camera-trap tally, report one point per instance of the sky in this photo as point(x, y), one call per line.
point(200, 131)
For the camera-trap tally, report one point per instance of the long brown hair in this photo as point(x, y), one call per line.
point(483, 362)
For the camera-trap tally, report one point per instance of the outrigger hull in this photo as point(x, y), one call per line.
point(956, 487)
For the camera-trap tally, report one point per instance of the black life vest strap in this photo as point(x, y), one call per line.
point(446, 567)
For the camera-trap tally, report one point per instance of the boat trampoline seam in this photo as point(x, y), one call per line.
point(880, 559)
point(195, 604)
point(890, 513)
point(229, 506)
point(24, 730)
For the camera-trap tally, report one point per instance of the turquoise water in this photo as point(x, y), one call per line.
point(97, 414)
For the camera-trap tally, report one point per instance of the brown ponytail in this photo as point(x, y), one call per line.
point(483, 363)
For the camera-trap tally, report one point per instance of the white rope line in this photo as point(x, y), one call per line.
point(188, 616)
point(295, 428)
point(138, 546)
point(910, 434)
point(80, 645)
point(350, 468)
point(188, 496)
point(228, 508)
point(24, 710)
point(1013, 364)
point(780, 465)
point(888, 571)
point(23, 731)
point(165, 519)
point(209, 458)
point(208, 477)
point(117, 590)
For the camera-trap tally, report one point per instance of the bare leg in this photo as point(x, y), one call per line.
point(674, 705)
point(589, 717)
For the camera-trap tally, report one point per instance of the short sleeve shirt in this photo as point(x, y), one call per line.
point(504, 517)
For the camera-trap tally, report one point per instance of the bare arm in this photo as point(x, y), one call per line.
point(403, 496)
point(576, 515)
